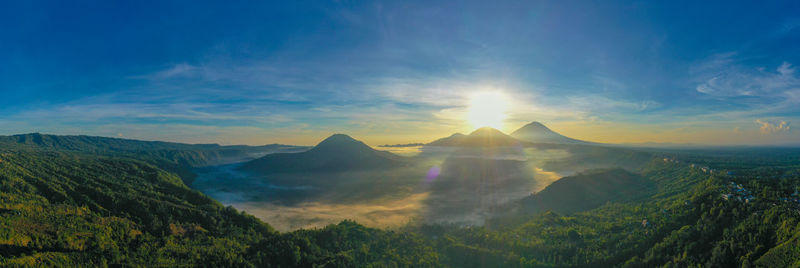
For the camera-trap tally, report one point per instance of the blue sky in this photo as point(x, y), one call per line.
point(401, 71)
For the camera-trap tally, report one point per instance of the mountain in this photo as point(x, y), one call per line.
point(589, 190)
point(191, 154)
point(448, 141)
point(338, 152)
point(537, 133)
point(175, 157)
point(482, 137)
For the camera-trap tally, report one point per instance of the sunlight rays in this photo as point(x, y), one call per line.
point(488, 109)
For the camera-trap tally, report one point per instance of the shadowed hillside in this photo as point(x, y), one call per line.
point(589, 190)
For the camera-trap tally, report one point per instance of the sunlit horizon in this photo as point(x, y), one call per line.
point(605, 74)
point(399, 133)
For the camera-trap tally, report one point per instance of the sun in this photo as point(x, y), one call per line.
point(487, 109)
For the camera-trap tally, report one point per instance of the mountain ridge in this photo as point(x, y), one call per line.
point(482, 137)
point(101, 143)
point(171, 156)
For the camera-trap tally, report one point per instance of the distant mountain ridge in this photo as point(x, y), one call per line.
point(447, 141)
point(191, 154)
point(83, 143)
point(538, 133)
point(416, 144)
point(533, 132)
point(171, 156)
point(482, 137)
point(338, 152)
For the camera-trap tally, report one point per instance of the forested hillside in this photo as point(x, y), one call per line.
point(178, 158)
point(60, 207)
point(193, 154)
point(65, 209)
point(589, 190)
point(688, 223)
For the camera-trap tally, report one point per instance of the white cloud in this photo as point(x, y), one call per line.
point(770, 126)
point(599, 104)
point(177, 69)
point(180, 69)
point(726, 79)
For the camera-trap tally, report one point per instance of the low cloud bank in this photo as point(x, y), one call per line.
point(382, 214)
point(467, 188)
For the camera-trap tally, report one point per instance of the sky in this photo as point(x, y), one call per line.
point(258, 72)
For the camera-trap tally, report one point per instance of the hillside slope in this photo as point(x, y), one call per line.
point(179, 158)
point(589, 190)
point(191, 154)
point(60, 208)
point(67, 210)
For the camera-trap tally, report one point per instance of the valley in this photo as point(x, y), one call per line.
point(482, 199)
point(462, 181)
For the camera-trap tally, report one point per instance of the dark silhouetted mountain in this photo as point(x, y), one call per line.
point(589, 190)
point(482, 137)
point(447, 141)
point(537, 133)
point(338, 152)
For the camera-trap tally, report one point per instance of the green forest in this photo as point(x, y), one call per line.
point(129, 205)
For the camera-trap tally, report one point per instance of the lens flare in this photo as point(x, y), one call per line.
point(432, 173)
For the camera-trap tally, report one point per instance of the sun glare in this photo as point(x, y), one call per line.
point(487, 109)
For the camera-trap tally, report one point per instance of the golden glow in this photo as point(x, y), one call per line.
point(488, 109)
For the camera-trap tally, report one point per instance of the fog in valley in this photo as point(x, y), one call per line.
point(453, 185)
